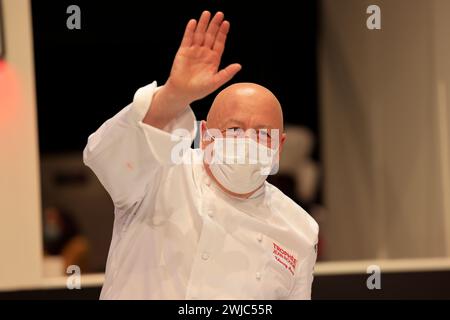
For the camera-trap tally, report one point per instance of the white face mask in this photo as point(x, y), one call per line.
point(241, 165)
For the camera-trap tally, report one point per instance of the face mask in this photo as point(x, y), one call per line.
point(241, 165)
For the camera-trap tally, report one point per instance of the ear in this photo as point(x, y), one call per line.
point(282, 141)
point(203, 129)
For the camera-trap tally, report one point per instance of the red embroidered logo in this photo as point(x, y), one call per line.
point(284, 257)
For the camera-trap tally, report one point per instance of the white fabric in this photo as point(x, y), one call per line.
point(178, 236)
point(237, 167)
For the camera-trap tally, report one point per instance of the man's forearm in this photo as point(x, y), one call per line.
point(166, 105)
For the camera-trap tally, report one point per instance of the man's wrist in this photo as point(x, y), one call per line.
point(166, 105)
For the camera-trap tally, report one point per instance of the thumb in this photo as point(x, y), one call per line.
point(226, 74)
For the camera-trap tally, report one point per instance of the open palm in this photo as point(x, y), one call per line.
point(195, 71)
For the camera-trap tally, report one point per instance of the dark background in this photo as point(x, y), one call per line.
point(84, 77)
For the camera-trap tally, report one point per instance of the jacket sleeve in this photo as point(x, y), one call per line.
point(126, 154)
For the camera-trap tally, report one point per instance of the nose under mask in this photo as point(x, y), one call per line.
point(241, 165)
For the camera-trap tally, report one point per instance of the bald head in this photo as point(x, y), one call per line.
point(245, 105)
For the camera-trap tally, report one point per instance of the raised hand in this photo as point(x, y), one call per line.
point(195, 71)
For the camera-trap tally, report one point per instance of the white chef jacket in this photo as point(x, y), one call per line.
point(177, 235)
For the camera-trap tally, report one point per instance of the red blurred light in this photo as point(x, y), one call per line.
point(9, 94)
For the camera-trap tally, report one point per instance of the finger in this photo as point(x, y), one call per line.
point(213, 28)
point(219, 43)
point(199, 35)
point(225, 75)
point(188, 37)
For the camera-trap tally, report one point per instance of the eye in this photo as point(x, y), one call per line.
point(264, 133)
point(235, 131)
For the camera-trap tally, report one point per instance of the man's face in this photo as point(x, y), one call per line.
point(244, 111)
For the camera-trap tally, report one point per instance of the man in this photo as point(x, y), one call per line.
point(200, 229)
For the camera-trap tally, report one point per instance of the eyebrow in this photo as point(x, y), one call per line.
point(234, 121)
point(241, 124)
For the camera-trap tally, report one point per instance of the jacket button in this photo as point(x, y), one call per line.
point(205, 256)
point(258, 276)
point(260, 237)
point(210, 213)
